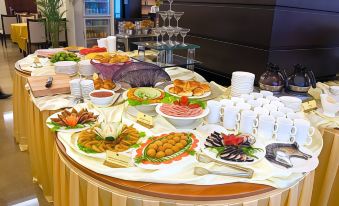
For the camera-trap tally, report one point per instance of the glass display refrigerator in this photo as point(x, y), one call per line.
point(95, 18)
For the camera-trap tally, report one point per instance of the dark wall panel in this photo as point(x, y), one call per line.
point(246, 25)
point(224, 58)
point(325, 5)
point(21, 5)
point(296, 28)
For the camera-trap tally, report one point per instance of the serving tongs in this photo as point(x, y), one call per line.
point(245, 172)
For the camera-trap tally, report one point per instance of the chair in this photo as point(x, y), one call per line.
point(63, 39)
point(6, 21)
point(23, 18)
point(37, 33)
point(35, 14)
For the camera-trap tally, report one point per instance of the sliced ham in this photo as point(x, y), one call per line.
point(180, 111)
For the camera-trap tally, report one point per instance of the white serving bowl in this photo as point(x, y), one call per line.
point(86, 68)
point(102, 101)
point(182, 121)
point(66, 67)
point(146, 108)
point(329, 104)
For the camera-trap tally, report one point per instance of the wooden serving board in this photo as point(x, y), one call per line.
point(60, 85)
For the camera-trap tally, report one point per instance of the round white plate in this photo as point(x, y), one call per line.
point(202, 115)
point(208, 129)
point(74, 142)
point(206, 94)
point(63, 129)
point(174, 163)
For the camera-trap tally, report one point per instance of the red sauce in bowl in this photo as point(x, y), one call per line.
point(102, 94)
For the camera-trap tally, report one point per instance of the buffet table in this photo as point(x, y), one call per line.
point(77, 185)
point(80, 186)
point(19, 35)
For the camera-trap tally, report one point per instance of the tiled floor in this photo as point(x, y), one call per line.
point(16, 186)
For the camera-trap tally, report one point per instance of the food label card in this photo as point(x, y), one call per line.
point(145, 120)
point(309, 105)
point(117, 160)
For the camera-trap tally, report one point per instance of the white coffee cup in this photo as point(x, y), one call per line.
point(254, 103)
point(272, 98)
point(248, 121)
point(304, 131)
point(277, 103)
point(294, 116)
point(226, 102)
point(243, 106)
point(285, 110)
point(230, 116)
point(286, 131)
point(256, 95)
point(214, 114)
point(266, 127)
point(237, 100)
point(261, 111)
point(246, 97)
point(270, 107)
point(263, 101)
point(266, 93)
point(277, 114)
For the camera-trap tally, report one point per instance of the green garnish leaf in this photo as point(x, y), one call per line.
point(135, 146)
point(85, 149)
point(191, 152)
point(142, 134)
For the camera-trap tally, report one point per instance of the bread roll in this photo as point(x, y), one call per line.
point(179, 83)
point(175, 90)
point(186, 93)
point(198, 92)
point(205, 87)
point(191, 85)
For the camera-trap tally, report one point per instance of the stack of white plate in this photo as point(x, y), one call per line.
point(66, 67)
point(86, 68)
point(75, 87)
point(87, 86)
point(242, 83)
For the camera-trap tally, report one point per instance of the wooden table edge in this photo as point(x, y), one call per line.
point(143, 189)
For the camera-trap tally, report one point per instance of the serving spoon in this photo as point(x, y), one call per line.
point(200, 171)
point(206, 159)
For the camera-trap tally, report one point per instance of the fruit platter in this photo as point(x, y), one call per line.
point(167, 149)
point(71, 120)
point(116, 137)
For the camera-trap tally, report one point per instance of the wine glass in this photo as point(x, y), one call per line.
point(170, 2)
point(163, 15)
point(170, 32)
point(156, 32)
point(163, 33)
point(169, 16)
point(177, 16)
point(183, 33)
point(176, 33)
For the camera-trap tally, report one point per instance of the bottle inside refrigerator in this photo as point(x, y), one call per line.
point(97, 7)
